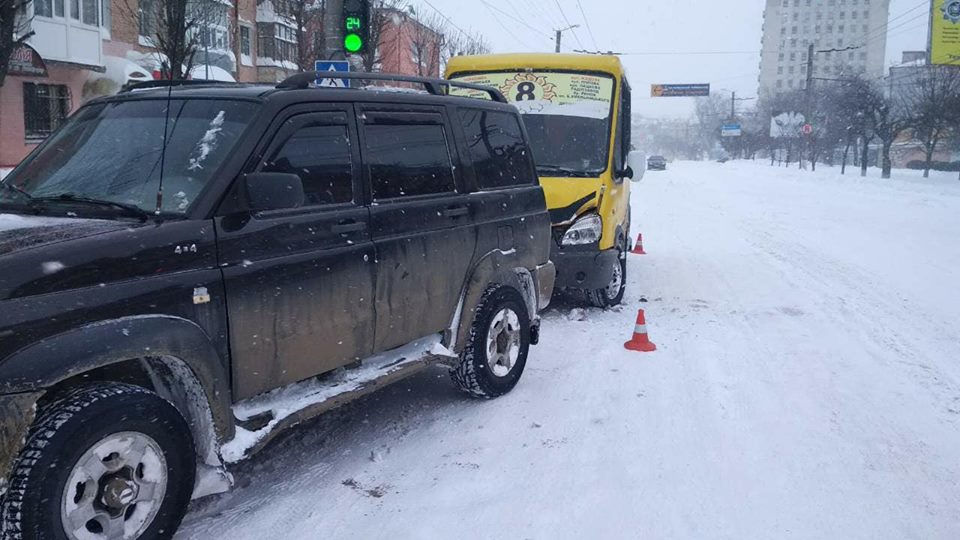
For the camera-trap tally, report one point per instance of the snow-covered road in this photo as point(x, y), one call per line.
point(807, 386)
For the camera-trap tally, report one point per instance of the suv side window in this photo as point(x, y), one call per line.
point(500, 155)
point(320, 155)
point(408, 158)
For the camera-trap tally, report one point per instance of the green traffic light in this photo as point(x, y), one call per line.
point(353, 43)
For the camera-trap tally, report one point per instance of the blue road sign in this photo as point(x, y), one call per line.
point(731, 130)
point(332, 67)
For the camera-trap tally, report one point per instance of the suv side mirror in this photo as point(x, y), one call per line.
point(273, 191)
point(637, 165)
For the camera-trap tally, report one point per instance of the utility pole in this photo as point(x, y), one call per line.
point(809, 104)
point(560, 32)
point(333, 30)
point(733, 106)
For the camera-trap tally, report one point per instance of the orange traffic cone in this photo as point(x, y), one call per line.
point(638, 248)
point(640, 342)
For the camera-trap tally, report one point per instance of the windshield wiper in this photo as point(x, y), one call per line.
point(10, 187)
point(562, 170)
point(129, 209)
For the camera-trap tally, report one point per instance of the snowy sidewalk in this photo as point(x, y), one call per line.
point(806, 386)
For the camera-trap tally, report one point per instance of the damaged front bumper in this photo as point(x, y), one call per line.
point(17, 412)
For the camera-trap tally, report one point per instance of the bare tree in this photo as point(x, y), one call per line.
point(428, 41)
point(460, 44)
point(382, 15)
point(13, 31)
point(307, 18)
point(175, 28)
point(932, 99)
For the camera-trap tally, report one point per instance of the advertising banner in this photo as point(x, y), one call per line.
point(945, 37)
point(570, 94)
point(680, 90)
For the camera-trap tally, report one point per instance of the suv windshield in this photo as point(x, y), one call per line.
point(112, 152)
point(567, 115)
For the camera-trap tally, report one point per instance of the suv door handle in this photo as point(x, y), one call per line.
point(349, 226)
point(456, 211)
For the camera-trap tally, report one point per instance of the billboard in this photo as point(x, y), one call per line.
point(679, 90)
point(787, 125)
point(945, 34)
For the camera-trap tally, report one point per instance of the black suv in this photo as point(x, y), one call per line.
point(186, 270)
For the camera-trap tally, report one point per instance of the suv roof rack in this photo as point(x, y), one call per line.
point(165, 83)
point(437, 87)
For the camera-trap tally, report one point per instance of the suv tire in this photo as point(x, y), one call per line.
point(496, 353)
point(143, 484)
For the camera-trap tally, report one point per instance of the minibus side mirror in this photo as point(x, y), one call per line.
point(636, 166)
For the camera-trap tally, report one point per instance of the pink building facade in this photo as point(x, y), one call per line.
point(409, 47)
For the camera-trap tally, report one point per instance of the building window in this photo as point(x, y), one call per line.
point(106, 14)
point(48, 8)
point(277, 41)
point(148, 18)
point(245, 40)
point(45, 107)
point(43, 8)
point(91, 12)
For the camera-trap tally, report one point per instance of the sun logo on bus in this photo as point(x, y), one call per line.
point(529, 87)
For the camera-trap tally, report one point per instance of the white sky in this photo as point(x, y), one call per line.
point(662, 26)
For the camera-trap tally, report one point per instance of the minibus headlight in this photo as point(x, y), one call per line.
point(586, 230)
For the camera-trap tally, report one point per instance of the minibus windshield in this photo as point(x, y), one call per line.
point(567, 115)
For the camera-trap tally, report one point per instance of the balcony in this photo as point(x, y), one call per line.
point(68, 31)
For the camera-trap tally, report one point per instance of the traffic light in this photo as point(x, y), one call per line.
point(356, 25)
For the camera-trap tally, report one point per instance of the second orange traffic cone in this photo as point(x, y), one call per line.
point(641, 341)
point(638, 248)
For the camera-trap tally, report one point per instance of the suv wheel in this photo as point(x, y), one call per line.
point(612, 294)
point(496, 353)
point(104, 461)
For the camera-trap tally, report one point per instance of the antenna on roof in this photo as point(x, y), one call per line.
point(163, 152)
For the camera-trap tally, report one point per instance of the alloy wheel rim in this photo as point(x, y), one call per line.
point(115, 490)
point(503, 342)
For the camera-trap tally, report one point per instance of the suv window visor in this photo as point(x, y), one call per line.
point(111, 152)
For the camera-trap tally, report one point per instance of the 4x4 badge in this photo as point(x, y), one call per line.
point(201, 296)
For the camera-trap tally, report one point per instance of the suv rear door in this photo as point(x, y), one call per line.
point(510, 207)
point(300, 283)
point(422, 223)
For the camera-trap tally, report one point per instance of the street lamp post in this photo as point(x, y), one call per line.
point(560, 32)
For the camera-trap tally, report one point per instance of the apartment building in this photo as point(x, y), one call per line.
point(849, 37)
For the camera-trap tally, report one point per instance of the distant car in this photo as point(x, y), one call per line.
point(657, 163)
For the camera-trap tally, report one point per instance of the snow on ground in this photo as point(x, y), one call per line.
point(4, 172)
point(806, 386)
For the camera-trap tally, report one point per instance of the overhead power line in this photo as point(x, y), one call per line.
point(444, 17)
point(511, 17)
point(572, 27)
point(587, 22)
